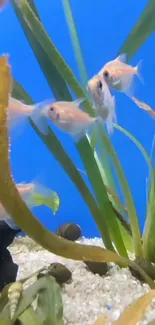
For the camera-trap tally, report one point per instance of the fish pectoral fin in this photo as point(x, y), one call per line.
point(39, 119)
point(62, 122)
point(116, 82)
point(79, 101)
point(128, 86)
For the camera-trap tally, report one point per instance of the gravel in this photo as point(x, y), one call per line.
point(87, 296)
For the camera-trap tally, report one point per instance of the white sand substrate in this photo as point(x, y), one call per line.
point(87, 296)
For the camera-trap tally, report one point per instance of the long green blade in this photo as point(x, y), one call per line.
point(139, 146)
point(101, 194)
point(53, 77)
point(36, 28)
point(126, 190)
point(107, 174)
point(148, 236)
point(75, 41)
point(144, 27)
point(49, 303)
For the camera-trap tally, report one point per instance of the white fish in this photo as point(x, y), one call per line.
point(119, 75)
point(104, 103)
point(65, 115)
point(27, 191)
point(70, 118)
point(3, 4)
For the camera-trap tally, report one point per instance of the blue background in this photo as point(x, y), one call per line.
point(103, 27)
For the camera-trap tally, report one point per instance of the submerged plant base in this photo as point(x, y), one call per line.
point(90, 295)
point(146, 265)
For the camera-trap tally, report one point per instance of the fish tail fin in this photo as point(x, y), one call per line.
point(17, 118)
point(38, 116)
point(138, 70)
point(42, 195)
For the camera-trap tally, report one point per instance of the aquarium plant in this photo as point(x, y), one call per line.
point(17, 303)
point(133, 313)
point(120, 231)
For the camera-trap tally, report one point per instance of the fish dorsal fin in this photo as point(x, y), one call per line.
point(79, 101)
point(122, 58)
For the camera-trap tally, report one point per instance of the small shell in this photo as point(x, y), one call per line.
point(14, 294)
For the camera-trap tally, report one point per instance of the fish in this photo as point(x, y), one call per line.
point(2, 4)
point(34, 194)
point(144, 106)
point(104, 102)
point(70, 118)
point(65, 115)
point(19, 112)
point(120, 76)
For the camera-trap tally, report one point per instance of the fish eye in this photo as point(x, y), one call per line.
point(51, 108)
point(100, 85)
point(106, 74)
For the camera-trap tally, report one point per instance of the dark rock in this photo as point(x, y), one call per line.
point(8, 269)
point(145, 265)
point(60, 272)
point(6, 235)
point(100, 268)
point(70, 231)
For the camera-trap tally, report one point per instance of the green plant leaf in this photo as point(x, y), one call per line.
point(5, 322)
point(53, 77)
point(49, 304)
point(127, 239)
point(94, 175)
point(126, 190)
point(133, 314)
point(35, 28)
point(144, 27)
point(29, 316)
point(148, 234)
point(104, 165)
point(27, 298)
point(76, 42)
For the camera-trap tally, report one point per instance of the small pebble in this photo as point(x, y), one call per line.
point(60, 272)
point(70, 231)
point(97, 267)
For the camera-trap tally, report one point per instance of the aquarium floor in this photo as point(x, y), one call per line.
point(88, 295)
